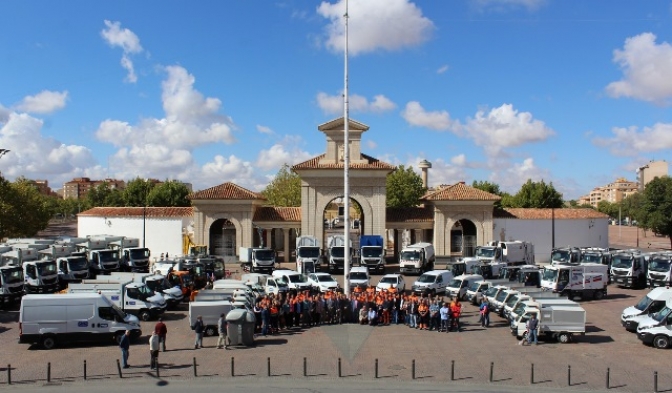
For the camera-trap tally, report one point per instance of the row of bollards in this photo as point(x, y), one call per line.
point(340, 371)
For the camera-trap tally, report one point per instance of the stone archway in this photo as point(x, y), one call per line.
point(222, 238)
point(468, 224)
point(233, 224)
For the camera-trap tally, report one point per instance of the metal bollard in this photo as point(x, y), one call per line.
point(268, 368)
point(655, 382)
point(413, 369)
point(85, 370)
point(569, 375)
point(233, 374)
point(452, 370)
point(9, 374)
point(608, 372)
point(48, 372)
point(492, 370)
point(305, 367)
point(119, 369)
point(376, 368)
point(158, 375)
point(195, 370)
point(532, 374)
point(339, 368)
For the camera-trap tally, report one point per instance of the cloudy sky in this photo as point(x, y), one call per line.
point(576, 93)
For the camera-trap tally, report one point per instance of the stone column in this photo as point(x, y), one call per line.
point(267, 241)
point(285, 236)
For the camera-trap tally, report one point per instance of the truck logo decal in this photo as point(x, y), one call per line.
point(82, 324)
point(131, 303)
point(115, 297)
point(103, 325)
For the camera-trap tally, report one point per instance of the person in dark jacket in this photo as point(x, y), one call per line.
point(199, 329)
point(125, 344)
point(162, 331)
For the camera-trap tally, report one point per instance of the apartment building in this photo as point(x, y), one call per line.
point(613, 192)
point(78, 187)
point(650, 171)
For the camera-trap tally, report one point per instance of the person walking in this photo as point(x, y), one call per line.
point(125, 344)
point(198, 328)
point(532, 325)
point(162, 330)
point(154, 350)
point(222, 326)
point(485, 313)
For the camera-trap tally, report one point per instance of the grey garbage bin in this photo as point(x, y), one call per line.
point(241, 327)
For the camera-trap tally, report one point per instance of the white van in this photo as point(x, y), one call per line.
point(458, 285)
point(294, 280)
point(432, 282)
point(75, 317)
point(653, 302)
point(359, 277)
point(268, 283)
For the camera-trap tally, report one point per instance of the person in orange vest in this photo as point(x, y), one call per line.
point(423, 315)
point(456, 311)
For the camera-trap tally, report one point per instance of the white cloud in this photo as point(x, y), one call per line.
point(511, 178)
point(264, 129)
point(442, 69)
point(504, 127)
point(286, 151)
point(37, 157)
point(124, 38)
point(442, 172)
point(505, 5)
point(647, 69)
point(190, 120)
point(459, 160)
point(231, 169)
point(375, 24)
point(357, 103)
point(417, 116)
point(43, 102)
point(631, 141)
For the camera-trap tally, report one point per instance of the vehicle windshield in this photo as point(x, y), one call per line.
point(550, 275)
point(483, 252)
point(108, 256)
point(591, 258)
point(309, 252)
point(427, 278)
point(154, 285)
point(661, 315)
point(511, 301)
point(338, 252)
point(77, 264)
point(622, 261)
point(410, 256)
point(491, 291)
point(519, 309)
point(644, 303)
point(12, 275)
point(474, 286)
point(501, 296)
point(265, 255)
point(358, 276)
point(455, 283)
point(324, 278)
point(659, 265)
point(388, 280)
point(560, 256)
point(297, 278)
point(281, 284)
point(372, 252)
point(46, 268)
point(145, 290)
point(139, 253)
point(119, 311)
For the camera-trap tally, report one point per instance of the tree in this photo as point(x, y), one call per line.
point(285, 189)
point(538, 195)
point(170, 193)
point(493, 188)
point(608, 208)
point(655, 212)
point(631, 206)
point(23, 210)
point(137, 192)
point(404, 188)
point(104, 195)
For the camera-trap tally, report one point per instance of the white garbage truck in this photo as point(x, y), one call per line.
point(260, 260)
point(417, 258)
point(132, 257)
point(660, 266)
point(101, 259)
point(560, 322)
point(132, 297)
point(39, 276)
point(372, 252)
point(11, 280)
point(308, 254)
point(587, 280)
point(629, 269)
point(336, 253)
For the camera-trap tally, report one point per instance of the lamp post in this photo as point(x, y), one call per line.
point(144, 214)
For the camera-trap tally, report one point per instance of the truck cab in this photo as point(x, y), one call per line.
point(73, 268)
point(132, 257)
point(11, 284)
point(565, 256)
point(660, 266)
point(629, 269)
point(336, 253)
point(101, 259)
point(417, 258)
point(308, 251)
point(132, 297)
point(458, 286)
point(372, 252)
point(260, 260)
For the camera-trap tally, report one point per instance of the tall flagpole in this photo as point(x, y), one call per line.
point(346, 166)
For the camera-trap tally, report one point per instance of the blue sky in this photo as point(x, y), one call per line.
point(573, 92)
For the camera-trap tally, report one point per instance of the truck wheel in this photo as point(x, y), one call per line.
point(210, 331)
point(661, 342)
point(599, 295)
point(48, 342)
point(144, 315)
point(564, 338)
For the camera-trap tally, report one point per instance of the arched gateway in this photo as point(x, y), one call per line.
point(444, 209)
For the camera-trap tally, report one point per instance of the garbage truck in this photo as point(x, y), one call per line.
point(336, 253)
point(561, 322)
point(39, 276)
point(132, 297)
point(11, 280)
point(132, 257)
point(308, 254)
point(372, 252)
point(101, 259)
point(417, 258)
point(260, 260)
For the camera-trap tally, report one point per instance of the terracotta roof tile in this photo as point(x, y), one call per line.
point(372, 163)
point(227, 190)
point(275, 213)
point(459, 192)
point(409, 214)
point(155, 212)
point(547, 214)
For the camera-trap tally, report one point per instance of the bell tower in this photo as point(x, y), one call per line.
point(335, 133)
